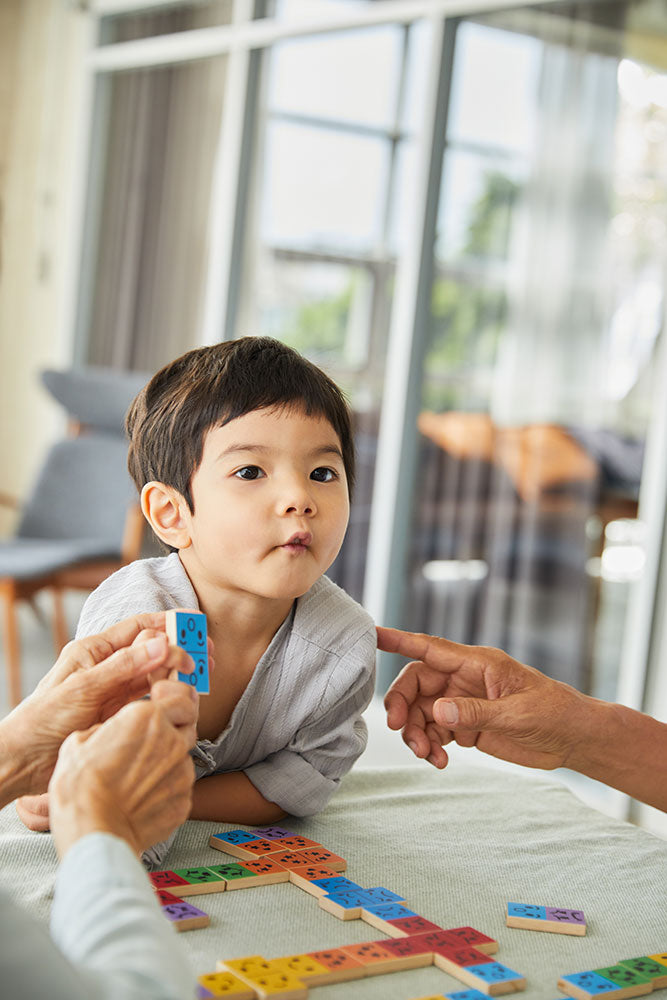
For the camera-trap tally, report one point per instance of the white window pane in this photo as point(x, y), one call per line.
point(322, 189)
point(350, 76)
point(475, 211)
point(300, 10)
point(494, 88)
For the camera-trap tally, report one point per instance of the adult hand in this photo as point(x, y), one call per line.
point(131, 776)
point(181, 709)
point(90, 681)
point(478, 696)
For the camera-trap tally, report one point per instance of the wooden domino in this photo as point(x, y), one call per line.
point(625, 977)
point(168, 880)
point(224, 984)
point(244, 967)
point(322, 857)
point(187, 629)
point(249, 874)
point(408, 953)
point(340, 966)
point(333, 883)
point(198, 881)
point(166, 898)
point(552, 919)
point(279, 984)
point(474, 938)
point(476, 969)
point(295, 842)
point(272, 833)
point(373, 956)
point(381, 916)
point(306, 968)
point(304, 876)
point(591, 984)
point(184, 916)
point(246, 850)
point(344, 905)
point(652, 968)
point(407, 925)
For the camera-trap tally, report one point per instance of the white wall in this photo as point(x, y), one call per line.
point(41, 48)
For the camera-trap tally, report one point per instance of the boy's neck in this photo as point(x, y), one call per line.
point(240, 619)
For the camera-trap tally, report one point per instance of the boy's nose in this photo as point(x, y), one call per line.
point(297, 499)
point(303, 507)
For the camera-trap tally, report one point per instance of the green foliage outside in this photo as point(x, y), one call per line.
point(468, 310)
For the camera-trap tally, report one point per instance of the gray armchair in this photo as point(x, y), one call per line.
point(82, 520)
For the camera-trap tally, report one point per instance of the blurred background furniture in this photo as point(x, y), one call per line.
point(82, 520)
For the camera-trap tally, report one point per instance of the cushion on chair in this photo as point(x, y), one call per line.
point(96, 397)
point(83, 492)
point(31, 558)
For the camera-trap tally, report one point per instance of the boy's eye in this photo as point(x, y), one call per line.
point(249, 472)
point(323, 475)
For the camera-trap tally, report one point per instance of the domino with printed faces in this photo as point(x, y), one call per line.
point(187, 629)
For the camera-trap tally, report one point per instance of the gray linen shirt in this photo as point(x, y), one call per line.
point(297, 728)
point(108, 939)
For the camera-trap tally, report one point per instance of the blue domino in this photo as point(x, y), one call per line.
point(466, 995)
point(337, 883)
point(591, 982)
point(527, 910)
point(351, 900)
point(236, 836)
point(380, 895)
point(389, 911)
point(493, 972)
point(191, 636)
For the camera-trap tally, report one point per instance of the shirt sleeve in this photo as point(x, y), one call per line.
point(109, 929)
point(302, 777)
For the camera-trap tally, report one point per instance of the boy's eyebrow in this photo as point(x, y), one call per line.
point(326, 449)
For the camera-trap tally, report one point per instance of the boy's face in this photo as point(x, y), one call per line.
point(270, 504)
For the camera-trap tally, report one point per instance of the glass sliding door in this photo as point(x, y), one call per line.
point(541, 375)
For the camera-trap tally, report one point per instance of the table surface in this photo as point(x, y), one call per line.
point(457, 845)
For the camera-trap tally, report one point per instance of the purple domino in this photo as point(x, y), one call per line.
point(272, 833)
point(182, 911)
point(565, 916)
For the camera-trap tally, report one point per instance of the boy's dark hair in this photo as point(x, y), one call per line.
point(210, 386)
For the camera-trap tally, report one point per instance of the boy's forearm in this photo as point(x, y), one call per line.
point(626, 750)
point(232, 798)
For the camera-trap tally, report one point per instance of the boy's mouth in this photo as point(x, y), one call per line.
point(299, 541)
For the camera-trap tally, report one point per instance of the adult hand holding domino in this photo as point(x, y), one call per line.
point(187, 630)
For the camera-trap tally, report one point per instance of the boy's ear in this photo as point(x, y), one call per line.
point(167, 513)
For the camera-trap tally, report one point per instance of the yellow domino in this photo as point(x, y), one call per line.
point(305, 968)
point(226, 984)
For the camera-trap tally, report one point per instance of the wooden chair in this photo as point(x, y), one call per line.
point(82, 520)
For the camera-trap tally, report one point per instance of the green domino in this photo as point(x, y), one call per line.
point(624, 976)
point(231, 872)
point(648, 968)
point(196, 875)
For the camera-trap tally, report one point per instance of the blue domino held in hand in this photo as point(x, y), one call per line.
point(187, 629)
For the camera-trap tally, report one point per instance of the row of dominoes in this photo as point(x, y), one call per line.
point(631, 977)
point(272, 855)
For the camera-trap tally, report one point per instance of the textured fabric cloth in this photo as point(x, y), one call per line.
point(108, 938)
point(458, 845)
point(297, 728)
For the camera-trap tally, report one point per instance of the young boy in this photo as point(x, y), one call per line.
point(244, 458)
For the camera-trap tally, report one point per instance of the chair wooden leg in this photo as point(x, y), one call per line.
point(60, 631)
point(11, 641)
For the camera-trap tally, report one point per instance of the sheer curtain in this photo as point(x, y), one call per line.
point(160, 129)
point(529, 450)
